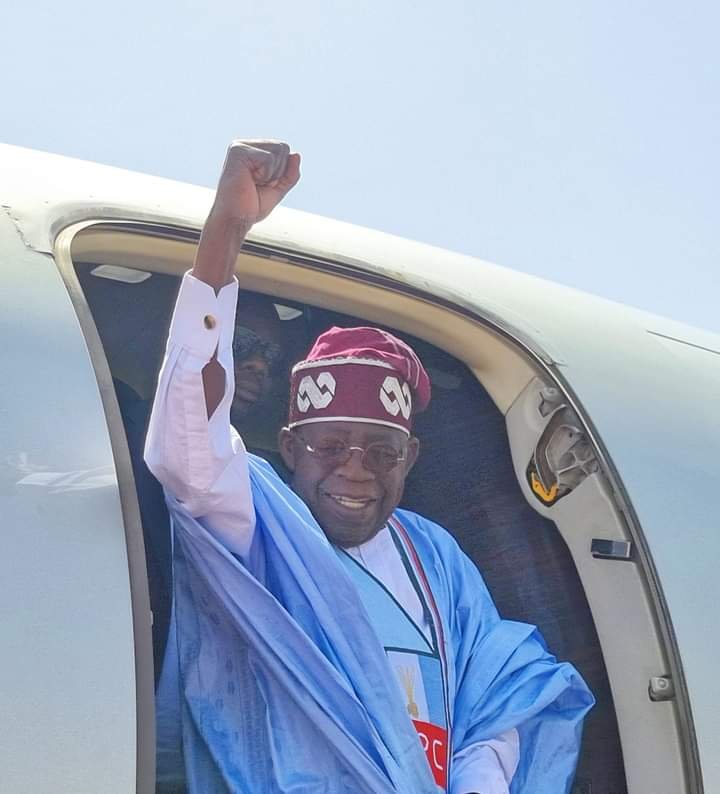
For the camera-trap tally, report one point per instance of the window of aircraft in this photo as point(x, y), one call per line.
point(484, 438)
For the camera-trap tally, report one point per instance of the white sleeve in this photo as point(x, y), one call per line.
point(202, 462)
point(486, 767)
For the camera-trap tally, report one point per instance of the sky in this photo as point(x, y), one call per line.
point(579, 142)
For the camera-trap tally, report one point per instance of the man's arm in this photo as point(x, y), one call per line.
point(255, 177)
point(191, 447)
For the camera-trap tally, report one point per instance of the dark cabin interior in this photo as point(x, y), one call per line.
point(464, 480)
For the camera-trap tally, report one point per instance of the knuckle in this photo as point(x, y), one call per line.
point(239, 145)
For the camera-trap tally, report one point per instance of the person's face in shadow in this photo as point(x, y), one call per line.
point(259, 348)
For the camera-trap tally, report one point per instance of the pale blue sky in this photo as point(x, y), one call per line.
point(575, 141)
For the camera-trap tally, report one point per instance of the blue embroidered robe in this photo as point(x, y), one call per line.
point(285, 686)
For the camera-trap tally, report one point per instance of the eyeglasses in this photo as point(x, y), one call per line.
point(246, 344)
point(378, 457)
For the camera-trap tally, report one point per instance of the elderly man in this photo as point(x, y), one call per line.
point(322, 639)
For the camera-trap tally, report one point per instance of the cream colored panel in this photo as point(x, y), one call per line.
point(621, 610)
point(495, 362)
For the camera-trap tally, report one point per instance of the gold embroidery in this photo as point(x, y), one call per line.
point(407, 674)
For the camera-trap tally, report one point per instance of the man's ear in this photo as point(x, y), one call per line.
point(286, 445)
point(413, 450)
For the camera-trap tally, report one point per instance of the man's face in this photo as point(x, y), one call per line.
point(350, 501)
point(256, 356)
point(254, 366)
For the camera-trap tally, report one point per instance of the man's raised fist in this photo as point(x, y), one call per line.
point(255, 177)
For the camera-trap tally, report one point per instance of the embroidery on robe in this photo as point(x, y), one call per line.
point(407, 675)
point(417, 660)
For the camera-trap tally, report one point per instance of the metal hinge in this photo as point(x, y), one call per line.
point(661, 688)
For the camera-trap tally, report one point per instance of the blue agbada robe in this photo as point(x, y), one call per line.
point(286, 688)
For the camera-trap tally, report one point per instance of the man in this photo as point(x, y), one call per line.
point(268, 337)
point(262, 345)
point(374, 662)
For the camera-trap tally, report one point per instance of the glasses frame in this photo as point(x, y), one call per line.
point(349, 449)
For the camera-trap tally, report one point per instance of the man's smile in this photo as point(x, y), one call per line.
point(350, 502)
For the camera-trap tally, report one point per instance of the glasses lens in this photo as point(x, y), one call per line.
point(329, 452)
point(382, 458)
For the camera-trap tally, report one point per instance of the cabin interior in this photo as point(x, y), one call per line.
point(491, 407)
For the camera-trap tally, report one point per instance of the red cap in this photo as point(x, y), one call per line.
point(359, 375)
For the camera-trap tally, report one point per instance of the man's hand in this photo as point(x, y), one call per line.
point(255, 177)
